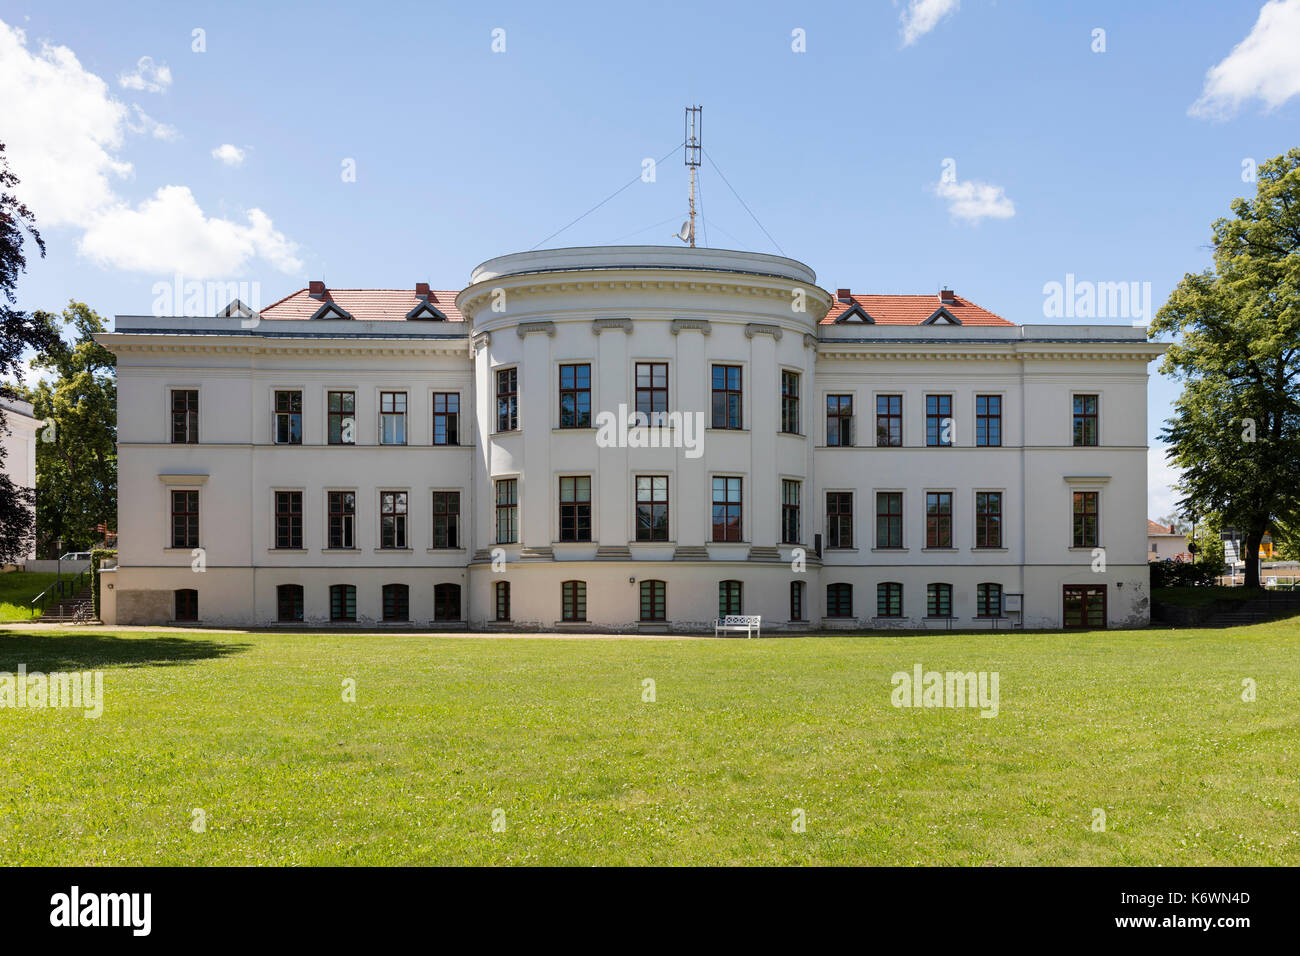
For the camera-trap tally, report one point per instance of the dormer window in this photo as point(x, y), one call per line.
point(331, 310)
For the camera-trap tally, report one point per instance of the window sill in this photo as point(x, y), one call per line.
point(186, 550)
point(992, 550)
point(446, 550)
point(340, 550)
point(944, 550)
point(828, 549)
point(715, 428)
point(1086, 549)
point(288, 550)
point(570, 429)
point(394, 551)
point(513, 431)
point(890, 550)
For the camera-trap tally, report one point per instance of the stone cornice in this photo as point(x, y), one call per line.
point(761, 328)
point(473, 298)
point(692, 325)
point(606, 325)
point(1012, 351)
point(530, 328)
point(120, 343)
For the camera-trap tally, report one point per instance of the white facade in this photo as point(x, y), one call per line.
point(20, 446)
point(610, 309)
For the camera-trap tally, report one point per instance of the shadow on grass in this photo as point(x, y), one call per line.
point(55, 652)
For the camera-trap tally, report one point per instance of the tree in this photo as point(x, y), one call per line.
point(1235, 431)
point(1176, 521)
point(76, 460)
point(19, 332)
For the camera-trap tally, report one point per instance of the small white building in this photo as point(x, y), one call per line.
point(463, 458)
point(20, 445)
point(1166, 544)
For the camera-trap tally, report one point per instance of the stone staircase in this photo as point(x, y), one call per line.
point(79, 608)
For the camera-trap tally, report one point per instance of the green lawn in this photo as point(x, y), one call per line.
point(1149, 726)
point(17, 591)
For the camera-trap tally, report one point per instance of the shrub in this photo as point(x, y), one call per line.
point(1181, 574)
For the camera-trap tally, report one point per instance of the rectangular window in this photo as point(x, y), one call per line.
point(839, 519)
point(396, 602)
point(988, 600)
point(789, 512)
point(288, 520)
point(938, 519)
point(446, 602)
point(839, 420)
point(889, 599)
point(508, 400)
point(1085, 519)
point(185, 416)
point(342, 519)
point(988, 420)
point(1084, 605)
point(392, 418)
point(185, 519)
point(938, 421)
point(938, 600)
point(392, 520)
point(726, 509)
point(343, 602)
point(889, 421)
point(796, 600)
point(187, 604)
point(729, 598)
point(726, 396)
point(790, 402)
point(652, 388)
point(446, 418)
point(575, 396)
point(575, 508)
point(342, 418)
point(502, 589)
point(839, 600)
point(652, 507)
point(446, 519)
point(889, 519)
point(988, 519)
point(573, 600)
point(1085, 420)
point(288, 418)
point(654, 601)
point(507, 511)
point(288, 603)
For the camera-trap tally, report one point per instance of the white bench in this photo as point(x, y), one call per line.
point(749, 623)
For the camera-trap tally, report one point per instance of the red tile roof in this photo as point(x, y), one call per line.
point(913, 310)
point(1153, 528)
point(365, 305)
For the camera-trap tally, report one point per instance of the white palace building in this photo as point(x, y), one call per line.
point(475, 459)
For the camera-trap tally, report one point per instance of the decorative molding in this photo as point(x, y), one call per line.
point(173, 479)
point(809, 340)
point(762, 328)
point(1086, 479)
point(692, 325)
point(604, 325)
point(537, 554)
point(758, 553)
point(613, 552)
point(529, 328)
point(687, 552)
point(480, 342)
point(955, 352)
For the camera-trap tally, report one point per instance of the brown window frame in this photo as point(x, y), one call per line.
point(938, 520)
point(797, 601)
point(185, 518)
point(889, 423)
point(342, 526)
point(938, 596)
point(731, 598)
point(289, 603)
point(336, 419)
point(988, 422)
point(839, 519)
point(343, 602)
point(1081, 433)
point(501, 600)
point(442, 597)
point(288, 520)
point(448, 417)
point(651, 398)
point(839, 421)
point(657, 603)
point(185, 418)
point(575, 514)
point(507, 510)
point(652, 508)
point(790, 402)
point(1079, 594)
point(889, 519)
point(790, 515)
point(727, 420)
point(395, 602)
point(726, 529)
point(577, 394)
point(1085, 534)
point(839, 599)
point(446, 520)
point(573, 601)
point(394, 519)
point(398, 415)
point(889, 595)
point(185, 605)
point(507, 392)
point(286, 404)
point(988, 519)
point(934, 419)
point(984, 604)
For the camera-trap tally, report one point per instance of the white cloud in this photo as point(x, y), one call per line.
point(1265, 65)
point(169, 233)
point(63, 129)
point(149, 77)
point(1161, 475)
point(141, 122)
point(922, 16)
point(973, 201)
point(229, 154)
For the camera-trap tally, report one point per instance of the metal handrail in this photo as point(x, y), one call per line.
point(60, 589)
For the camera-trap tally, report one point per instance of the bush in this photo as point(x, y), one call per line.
point(97, 557)
point(1181, 574)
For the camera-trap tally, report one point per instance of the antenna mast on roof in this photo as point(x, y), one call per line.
point(691, 153)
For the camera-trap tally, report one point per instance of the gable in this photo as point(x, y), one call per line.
point(942, 315)
point(330, 310)
point(426, 310)
point(855, 314)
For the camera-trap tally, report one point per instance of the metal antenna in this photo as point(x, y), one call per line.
point(694, 145)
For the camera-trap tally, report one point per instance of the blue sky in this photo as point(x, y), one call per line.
point(1068, 160)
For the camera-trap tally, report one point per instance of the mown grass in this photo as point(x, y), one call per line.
point(17, 591)
point(1149, 726)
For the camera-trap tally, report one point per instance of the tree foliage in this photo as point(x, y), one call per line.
point(1235, 431)
point(19, 333)
point(76, 459)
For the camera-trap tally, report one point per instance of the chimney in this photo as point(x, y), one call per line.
point(946, 295)
point(422, 290)
point(316, 288)
point(844, 295)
